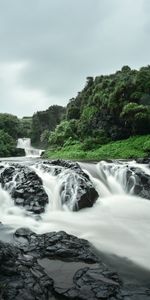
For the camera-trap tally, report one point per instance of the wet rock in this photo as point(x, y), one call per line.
point(143, 160)
point(59, 266)
point(55, 245)
point(77, 190)
point(21, 277)
point(25, 187)
point(54, 265)
point(141, 182)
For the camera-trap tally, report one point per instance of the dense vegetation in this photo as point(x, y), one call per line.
point(43, 122)
point(10, 129)
point(37, 127)
point(110, 108)
point(133, 147)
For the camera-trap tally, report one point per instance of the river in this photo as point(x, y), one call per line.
point(118, 224)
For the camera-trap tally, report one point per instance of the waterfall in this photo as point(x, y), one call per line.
point(118, 223)
point(25, 143)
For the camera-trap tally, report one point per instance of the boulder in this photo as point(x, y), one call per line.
point(143, 160)
point(76, 189)
point(141, 182)
point(25, 187)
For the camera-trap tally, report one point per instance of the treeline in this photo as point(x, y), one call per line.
point(11, 128)
point(109, 108)
point(44, 122)
point(37, 128)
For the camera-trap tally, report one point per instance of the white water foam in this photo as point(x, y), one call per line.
point(117, 224)
point(25, 143)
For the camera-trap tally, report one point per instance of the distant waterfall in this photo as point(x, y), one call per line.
point(25, 143)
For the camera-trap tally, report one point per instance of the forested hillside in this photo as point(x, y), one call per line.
point(37, 128)
point(109, 108)
point(12, 128)
point(43, 122)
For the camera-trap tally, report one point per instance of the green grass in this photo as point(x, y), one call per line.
point(133, 147)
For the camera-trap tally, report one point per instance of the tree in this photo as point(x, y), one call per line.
point(10, 124)
point(64, 131)
point(46, 120)
point(137, 118)
point(7, 144)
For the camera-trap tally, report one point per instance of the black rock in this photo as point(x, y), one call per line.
point(25, 187)
point(142, 182)
point(59, 266)
point(21, 277)
point(77, 190)
point(54, 265)
point(143, 160)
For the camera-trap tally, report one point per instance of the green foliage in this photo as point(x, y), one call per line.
point(146, 146)
point(126, 69)
point(25, 127)
point(132, 108)
point(10, 124)
point(44, 138)
point(116, 105)
point(64, 131)
point(99, 138)
point(137, 117)
point(143, 80)
point(73, 111)
point(11, 128)
point(134, 147)
point(88, 113)
point(45, 120)
point(7, 144)
point(145, 99)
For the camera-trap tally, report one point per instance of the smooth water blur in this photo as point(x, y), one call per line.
point(118, 223)
point(25, 143)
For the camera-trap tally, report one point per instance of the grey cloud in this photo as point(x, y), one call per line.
point(63, 41)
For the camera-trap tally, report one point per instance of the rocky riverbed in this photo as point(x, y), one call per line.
point(59, 266)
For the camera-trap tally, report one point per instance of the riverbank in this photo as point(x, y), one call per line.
point(133, 147)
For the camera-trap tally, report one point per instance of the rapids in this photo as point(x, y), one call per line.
point(118, 223)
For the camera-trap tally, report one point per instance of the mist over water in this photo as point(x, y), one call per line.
point(117, 224)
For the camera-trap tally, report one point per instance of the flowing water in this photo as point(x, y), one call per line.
point(118, 223)
point(25, 143)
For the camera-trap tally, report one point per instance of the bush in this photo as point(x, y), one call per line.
point(63, 132)
point(146, 146)
point(136, 117)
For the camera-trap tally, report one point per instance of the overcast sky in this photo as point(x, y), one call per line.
point(49, 47)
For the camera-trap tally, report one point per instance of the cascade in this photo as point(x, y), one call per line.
point(118, 223)
point(25, 143)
